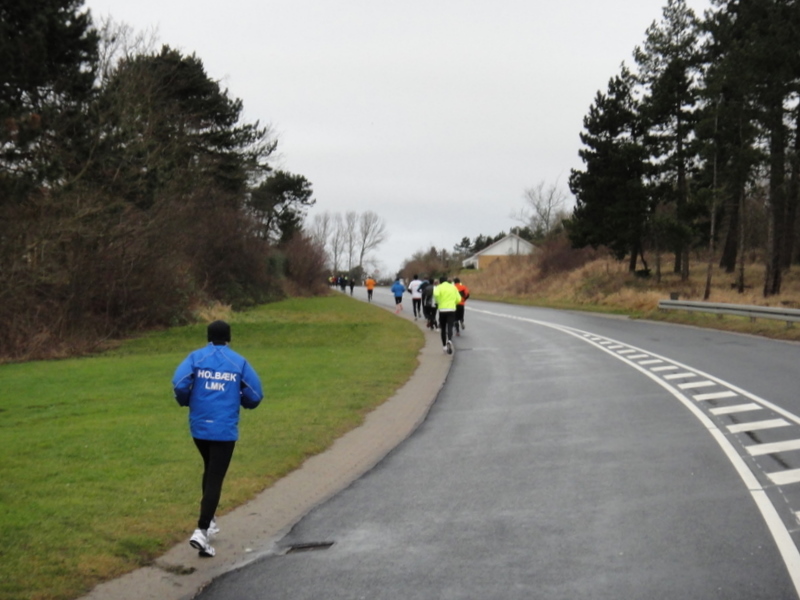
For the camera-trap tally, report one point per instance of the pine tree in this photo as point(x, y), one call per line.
point(668, 66)
point(612, 201)
point(756, 72)
point(280, 204)
point(770, 29)
point(48, 53)
point(729, 128)
point(166, 125)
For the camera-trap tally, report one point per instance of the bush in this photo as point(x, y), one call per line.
point(556, 255)
point(305, 265)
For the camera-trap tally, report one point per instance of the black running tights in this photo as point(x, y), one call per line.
point(216, 459)
point(446, 320)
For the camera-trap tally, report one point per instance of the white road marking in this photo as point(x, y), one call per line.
point(660, 369)
point(715, 396)
point(785, 477)
point(695, 384)
point(686, 375)
point(638, 356)
point(651, 362)
point(728, 410)
point(762, 449)
point(758, 425)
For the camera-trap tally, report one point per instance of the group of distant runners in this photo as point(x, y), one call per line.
point(440, 302)
point(429, 297)
point(342, 282)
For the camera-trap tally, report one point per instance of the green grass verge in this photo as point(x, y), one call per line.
point(98, 474)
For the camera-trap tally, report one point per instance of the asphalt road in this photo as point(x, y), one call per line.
point(569, 456)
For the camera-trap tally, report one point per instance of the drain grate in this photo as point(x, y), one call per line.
point(308, 547)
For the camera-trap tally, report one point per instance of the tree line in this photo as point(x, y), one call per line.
point(698, 144)
point(348, 240)
point(131, 189)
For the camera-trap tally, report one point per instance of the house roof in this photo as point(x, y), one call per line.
point(527, 246)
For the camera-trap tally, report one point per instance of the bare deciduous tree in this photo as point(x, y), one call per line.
point(350, 233)
point(371, 234)
point(119, 41)
point(544, 208)
point(348, 239)
point(336, 243)
point(319, 230)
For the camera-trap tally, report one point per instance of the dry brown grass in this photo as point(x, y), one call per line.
point(604, 284)
point(212, 312)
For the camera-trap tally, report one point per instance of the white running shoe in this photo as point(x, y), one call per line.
point(444, 349)
point(213, 529)
point(199, 541)
point(449, 347)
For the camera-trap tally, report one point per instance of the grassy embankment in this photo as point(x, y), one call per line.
point(605, 285)
point(99, 475)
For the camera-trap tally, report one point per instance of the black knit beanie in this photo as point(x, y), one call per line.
point(219, 332)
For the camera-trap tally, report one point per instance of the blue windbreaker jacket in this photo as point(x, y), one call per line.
point(214, 382)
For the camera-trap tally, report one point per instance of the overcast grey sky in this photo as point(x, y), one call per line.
point(434, 114)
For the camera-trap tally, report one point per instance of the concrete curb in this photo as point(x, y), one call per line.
point(252, 530)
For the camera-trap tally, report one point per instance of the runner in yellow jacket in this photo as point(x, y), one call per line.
point(447, 298)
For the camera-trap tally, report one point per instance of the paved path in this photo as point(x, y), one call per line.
point(251, 530)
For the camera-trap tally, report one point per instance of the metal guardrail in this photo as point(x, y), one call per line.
point(790, 315)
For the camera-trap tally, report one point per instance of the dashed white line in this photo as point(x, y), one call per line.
point(660, 369)
point(653, 361)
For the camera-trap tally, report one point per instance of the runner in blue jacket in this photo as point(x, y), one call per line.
point(398, 289)
point(214, 382)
